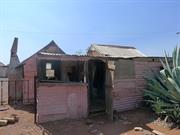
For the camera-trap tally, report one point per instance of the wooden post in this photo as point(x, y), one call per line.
point(23, 90)
point(109, 88)
point(85, 72)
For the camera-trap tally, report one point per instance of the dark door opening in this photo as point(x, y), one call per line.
point(97, 73)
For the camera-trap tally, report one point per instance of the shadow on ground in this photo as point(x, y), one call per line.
point(130, 119)
point(28, 108)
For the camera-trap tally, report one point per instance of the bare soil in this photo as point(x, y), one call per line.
point(25, 125)
point(97, 125)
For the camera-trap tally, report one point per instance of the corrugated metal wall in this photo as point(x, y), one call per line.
point(128, 93)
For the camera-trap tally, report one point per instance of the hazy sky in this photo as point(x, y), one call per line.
point(149, 25)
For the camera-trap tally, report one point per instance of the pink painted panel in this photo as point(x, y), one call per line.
point(59, 101)
point(30, 71)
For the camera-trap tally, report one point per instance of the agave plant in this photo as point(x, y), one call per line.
point(163, 91)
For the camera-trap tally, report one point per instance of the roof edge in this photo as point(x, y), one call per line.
point(50, 43)
point(114, 45)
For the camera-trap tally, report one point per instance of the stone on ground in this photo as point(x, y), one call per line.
point(138, 129)
point(157, 132)
point(10, 120)
point(3, 122)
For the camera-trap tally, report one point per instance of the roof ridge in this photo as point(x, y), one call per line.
point(116, 46)
point(41, 50)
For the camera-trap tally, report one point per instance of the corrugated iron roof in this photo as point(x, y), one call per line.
point(116, 51)
point(58, 54)
point(92, 57)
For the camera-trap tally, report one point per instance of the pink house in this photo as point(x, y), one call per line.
point(110, 78)
point(21, 75)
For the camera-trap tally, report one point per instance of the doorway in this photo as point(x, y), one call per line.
point(97, 77)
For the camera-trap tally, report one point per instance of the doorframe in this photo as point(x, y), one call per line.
point(88, 79)
point(110, 69)
point(109, 72)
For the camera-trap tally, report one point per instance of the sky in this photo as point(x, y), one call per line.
point(148, 25)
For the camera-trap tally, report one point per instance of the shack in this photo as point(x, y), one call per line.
point(72, 86)
point(66, 86)
point(124, 69)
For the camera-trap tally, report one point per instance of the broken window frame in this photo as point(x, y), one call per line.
point(42, 69)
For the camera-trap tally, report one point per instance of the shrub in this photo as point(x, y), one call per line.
point(163, 91)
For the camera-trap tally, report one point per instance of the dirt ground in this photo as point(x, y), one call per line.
point(98, 125)
point(25, 125)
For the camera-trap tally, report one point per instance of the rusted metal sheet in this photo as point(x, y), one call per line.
point(128, 93)
point(124, 83)
point(126, 103)
point(146, 69)
point(114, 51)
point(125, 95)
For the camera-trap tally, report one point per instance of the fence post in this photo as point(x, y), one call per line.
point(15, 92)
point(22, 90)
point(8, 92)
point(28, 91)
point(35, 99)
point(1, 92)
